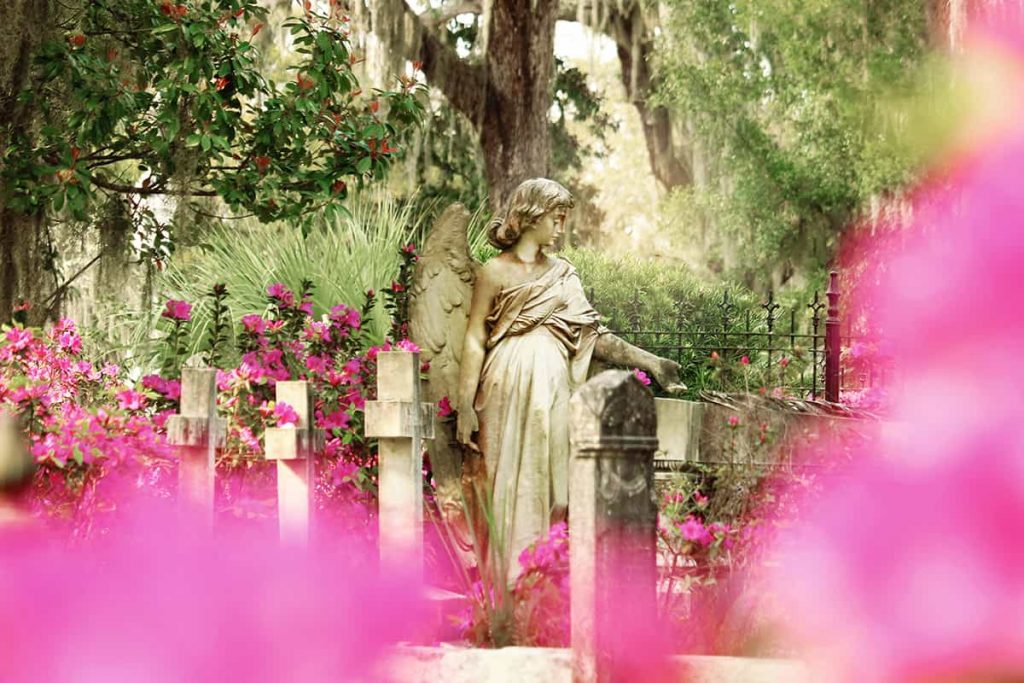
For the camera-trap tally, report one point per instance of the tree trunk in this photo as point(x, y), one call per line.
point(635, 47)
point(520, 65)
point(23, 275)
point(507, 94)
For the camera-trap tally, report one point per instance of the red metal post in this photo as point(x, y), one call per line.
point(832, 340)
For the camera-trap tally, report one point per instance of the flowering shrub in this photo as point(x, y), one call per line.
point(535, 611)
point(285, 342)
point(82, 421)
point(693, 549)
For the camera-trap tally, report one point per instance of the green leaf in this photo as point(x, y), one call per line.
point(165, 28)
point(363, 165)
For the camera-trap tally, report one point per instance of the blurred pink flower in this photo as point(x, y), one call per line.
point(642, 376)
point(886, 580)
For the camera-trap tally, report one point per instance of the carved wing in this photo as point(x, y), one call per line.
point(442, 288)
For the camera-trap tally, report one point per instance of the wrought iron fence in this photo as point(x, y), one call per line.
point(797, 349)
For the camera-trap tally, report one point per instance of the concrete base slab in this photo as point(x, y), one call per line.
point(453, 664)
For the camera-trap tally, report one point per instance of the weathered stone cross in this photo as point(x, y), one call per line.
point(197, 432)
point(400, 421)
point(294, 447)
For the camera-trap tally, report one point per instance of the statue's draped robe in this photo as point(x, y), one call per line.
point(541, 336)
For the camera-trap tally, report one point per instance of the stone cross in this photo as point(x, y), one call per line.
point(400, 421)
point(294, 447)
point(612, 524)
point(197, 432)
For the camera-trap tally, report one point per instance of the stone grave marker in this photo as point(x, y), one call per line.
point(400, 421)
point(197, 433)
point(612, 524)
point(294, 447)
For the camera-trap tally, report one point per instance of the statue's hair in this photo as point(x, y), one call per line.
point(531, 200)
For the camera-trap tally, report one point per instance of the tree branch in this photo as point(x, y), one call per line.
point(462, 83)
point(131, 189)
point(445, 14)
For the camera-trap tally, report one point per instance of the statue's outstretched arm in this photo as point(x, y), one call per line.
point(612, 349)
point(473, 355)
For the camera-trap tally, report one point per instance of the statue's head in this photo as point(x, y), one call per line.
point(529, 202)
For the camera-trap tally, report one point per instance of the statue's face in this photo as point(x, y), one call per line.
point(549, 227)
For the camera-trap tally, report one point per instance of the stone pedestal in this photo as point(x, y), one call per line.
point(612, 525)
point(679, 425)
point(294, 447)
point(400, 421)
point(197, 432)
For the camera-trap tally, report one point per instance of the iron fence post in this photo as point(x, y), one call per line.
point(832, 340)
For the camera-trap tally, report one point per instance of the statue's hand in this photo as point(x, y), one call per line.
point(666, 374)
point(465, 424)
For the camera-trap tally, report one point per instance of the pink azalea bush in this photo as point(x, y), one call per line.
point(535, 610)
point(82, 423)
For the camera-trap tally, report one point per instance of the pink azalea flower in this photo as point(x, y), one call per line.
point(281, 293)
point(17, 338)
point(339, 419)
point(285, 415)
point(407, 345)
point(745, 360)
point(700, 499)
point(70, 342)
point(345, 473)
point(317, 364)
point(784, 361)
point(642, 376)
point(249, 439)
point(131, 400)
point(444, 407)
point(254, 324)
point(177, 310)
point(734, 420)
point(354, 319)
point(692, 529)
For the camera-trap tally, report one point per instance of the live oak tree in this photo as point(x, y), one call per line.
point(505, 87)
point(140, 98)
point(791, 100)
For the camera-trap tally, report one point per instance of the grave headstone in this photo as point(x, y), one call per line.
point(612, 524)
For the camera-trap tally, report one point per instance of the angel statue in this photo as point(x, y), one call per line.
point(508, 342)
